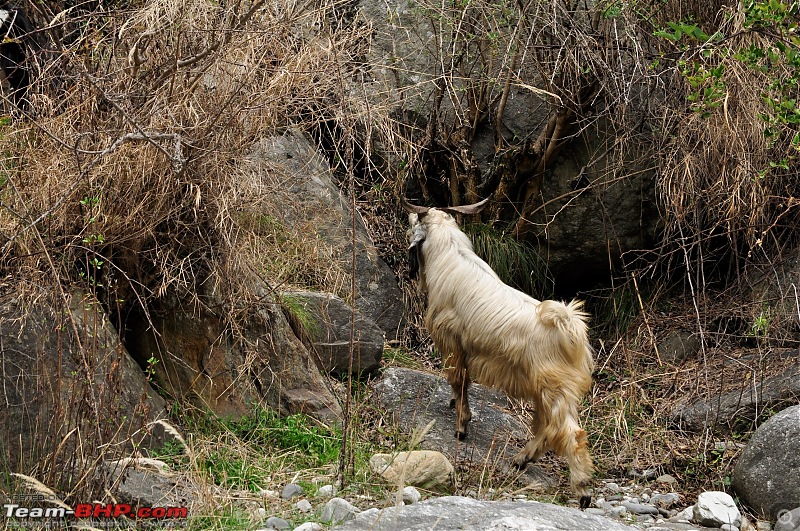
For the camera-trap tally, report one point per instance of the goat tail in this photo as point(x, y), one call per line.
point(568, 323)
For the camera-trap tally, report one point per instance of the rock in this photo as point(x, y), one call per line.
point(291, 490)
point(678, 346)
point(273, 522)
point(411, 495)
point(728, 527)
point(146, 488)
point(766, 475)
point(756, 391)
point(200, 361)
point(62, 366)
point(309, 526)
point(338, 510)
point(417, 399)
point(306, 201)
point(326, 491)
point(714, 508)
point(640, 508)
point(325, 322)
point(788, 520)
point(618, 512)
point(573, 230)
point(665, 501)
point(453, 513)
point(666, 479)
point(304, 506)
point(685, 516)
point(420, 468)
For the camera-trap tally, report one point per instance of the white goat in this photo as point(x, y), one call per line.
point(498, 336)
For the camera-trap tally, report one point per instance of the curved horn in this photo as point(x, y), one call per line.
point(416, 209)
point(467, 209)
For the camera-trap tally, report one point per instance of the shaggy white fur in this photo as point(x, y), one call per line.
point(496, 335)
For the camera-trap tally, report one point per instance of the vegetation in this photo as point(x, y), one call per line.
point(130, 176)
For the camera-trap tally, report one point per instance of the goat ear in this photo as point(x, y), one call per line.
point(467, 209)
point(415, 209)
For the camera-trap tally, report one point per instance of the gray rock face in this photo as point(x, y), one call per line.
point(571, 229)
point(329, 332)
point(417, 398)
point(140, 487)
point(678, 346)
point(457, 513)
point(741, 407)
point(309, 201)
point(199, 360)
point(766, 476)
point(61, 366)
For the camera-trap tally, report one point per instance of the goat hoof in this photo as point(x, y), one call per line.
point(461, 435)
point(452, 403)
point(585, 502)
point(520, 465)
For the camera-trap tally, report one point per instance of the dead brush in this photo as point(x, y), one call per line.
point(126, 181)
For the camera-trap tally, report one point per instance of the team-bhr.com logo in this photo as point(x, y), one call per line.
point(95, 510)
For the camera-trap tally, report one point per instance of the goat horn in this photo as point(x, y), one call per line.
point(416, 209)
point(467, 209)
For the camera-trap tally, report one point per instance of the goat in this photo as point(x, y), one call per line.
point(496, 335)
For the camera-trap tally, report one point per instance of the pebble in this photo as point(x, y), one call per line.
point(641, 508)
point(411, 495)
point(653, 507)
point(667, 479)
point(291, 490)
point(326, 491)
point(273, 522)
point(338, 510)
point(665, 500)
point(309, 526)
point(304, 506)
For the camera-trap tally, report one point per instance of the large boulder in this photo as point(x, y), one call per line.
point(766, 475)
point(573, 228)
point(66, 380)
point(326, 323)
point(306, 200)
point(194, 355)
point(453, 513)
point(420, 403)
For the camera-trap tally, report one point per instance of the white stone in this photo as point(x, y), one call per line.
point(326, 491)
point(420, 468)
point(411, 495)
point(309, 526)
point(304, 506)
point(338, 510)
point(715, 508)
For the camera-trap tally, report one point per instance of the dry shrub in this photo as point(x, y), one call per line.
point(723, 188)
point(136, 165)
point(124, 175)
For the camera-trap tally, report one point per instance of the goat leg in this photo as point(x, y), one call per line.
point(459, 383)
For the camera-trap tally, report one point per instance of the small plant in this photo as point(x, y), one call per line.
point(150, 370)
